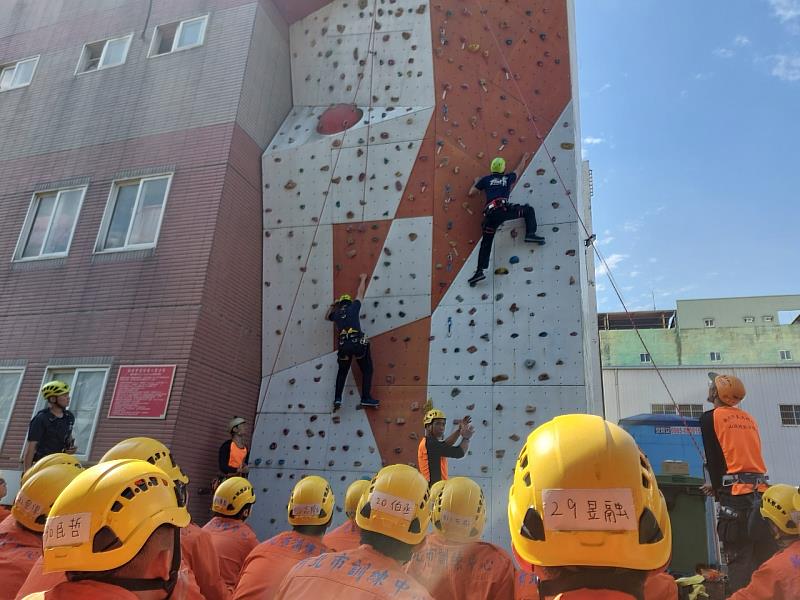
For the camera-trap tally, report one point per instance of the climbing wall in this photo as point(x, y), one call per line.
point(399, 106)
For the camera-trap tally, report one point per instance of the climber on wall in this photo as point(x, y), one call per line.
point(352, 343)
point(497, 187)
point(434, 449)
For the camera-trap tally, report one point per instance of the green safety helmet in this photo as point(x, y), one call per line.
point(498, 165)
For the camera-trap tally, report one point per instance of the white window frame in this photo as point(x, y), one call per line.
point(82, 58)
point(715, 356)
point(708, 322)
point(749, 319)
point(42, 403)
point(21, 371)
point(28, 224)
point(794, 416)
point(14, 64)
point(786, 354)
point(768, 318)
point(644, 357)
point(156, 36)
point(109, 212)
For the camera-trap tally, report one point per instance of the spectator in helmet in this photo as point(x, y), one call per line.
point(434, 449)
point(50, 430)
point(234, 455)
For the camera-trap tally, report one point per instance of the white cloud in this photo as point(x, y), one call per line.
point(634, 274)
point(627, 288)
point(603, 88)
point(785, 10)
point(591, 141)
point(786, 67)
point(631, 226)
point(600, 287)
point(606, 241)
point(652, 259)
point(612, 261)
point(721, 53)
point(741, 41)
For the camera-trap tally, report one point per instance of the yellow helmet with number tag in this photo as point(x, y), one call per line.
point(459, 511)
point(232, 495)
point(585, 495)
point(311, 502)
point(396, 504)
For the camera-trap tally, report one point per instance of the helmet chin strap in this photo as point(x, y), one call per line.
point(135, 584)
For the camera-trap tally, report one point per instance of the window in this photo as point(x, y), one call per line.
point(104, 54)
point(786, 355)
point(644, 357)
point(768, 318)
point(708, 322)
point(714, 356)
point(48, 228)
point(133, 215)
point(180, 35)
point(10, 380)
point(685, 410)
point(86, 396)
point(749, 319)
point(18, 74)
point(790, 414)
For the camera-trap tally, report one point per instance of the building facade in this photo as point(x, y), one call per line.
point(756, 339)
point(130, 234)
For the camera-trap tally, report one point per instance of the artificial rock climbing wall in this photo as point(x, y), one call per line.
point(398, 106)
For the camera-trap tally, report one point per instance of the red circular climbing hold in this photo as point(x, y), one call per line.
point(338, 118)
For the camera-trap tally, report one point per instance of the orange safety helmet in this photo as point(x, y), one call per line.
point(730, 389)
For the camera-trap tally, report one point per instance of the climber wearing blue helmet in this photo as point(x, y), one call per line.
point(497, 187)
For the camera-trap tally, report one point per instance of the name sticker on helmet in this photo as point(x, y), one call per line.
point(67, 530)
point(392, 505)
point(306, 510)
point(28, 506)
point(610, 509)
point(454, 519)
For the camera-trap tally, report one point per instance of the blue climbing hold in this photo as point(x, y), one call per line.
point(514, 260)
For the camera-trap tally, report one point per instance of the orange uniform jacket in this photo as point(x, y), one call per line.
point(85, 590)
point(660, 586)
point(525, 587)
point(19, 549)
point(776, 579)
point(4, 512)
point(456, 571)
point(197, 551)
point(733, 445)
point(270, 561)
point(346, 536)
point(233, 540)
point(585, 594)
point(360, 574)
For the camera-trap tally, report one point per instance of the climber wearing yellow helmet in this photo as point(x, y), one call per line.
point(352, 343)
point(497, 187)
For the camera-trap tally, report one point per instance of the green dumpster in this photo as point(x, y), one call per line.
point(687, 512)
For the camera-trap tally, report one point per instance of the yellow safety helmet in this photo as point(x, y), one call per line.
point(37, 495)
point(730, 389)
point(585, 495)
point(396, 504)
point(150, 450)
point(432, 415)
point(459, 512)
point(53, 389)
point(311, 502)
point(498, 165)
point(778, 505)
point(232, 495)
point(354, 492)
point(59, 458)
point(436, 490)
point(106, 514)
point(344, 298)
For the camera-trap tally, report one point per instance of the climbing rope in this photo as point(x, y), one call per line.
point(532, 120)
point(304, 269)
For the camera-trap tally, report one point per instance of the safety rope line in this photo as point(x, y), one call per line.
point(568, 194)
point(304, 269)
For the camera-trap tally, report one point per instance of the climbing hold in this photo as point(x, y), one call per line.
point(544, 377)
point(514, 308)
point(290, 185)
point(514, 437)
point(499, 407)
point(499, 453)
point(454, 392)
point(530, 409)
point(570, 252)
point(498, 378)
point(513, 260)
point(472, 349)
point(501, 271)
point(530, 363)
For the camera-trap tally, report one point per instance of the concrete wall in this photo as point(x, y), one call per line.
point(730, 312)
point(443, 89)
point(670, 347)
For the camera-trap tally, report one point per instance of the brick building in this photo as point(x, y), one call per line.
point(130, 142)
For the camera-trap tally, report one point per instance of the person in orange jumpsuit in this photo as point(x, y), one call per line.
point(738, 477)
point(310, 511)
point(197, 549)
point(114, 531)
point(526, 586)
point(231, 537)
point(660, 586)
point(454, 563)
point(585, 513)
point(393, 516)
point(21, 533)
point(779, 577)
point(347, 536)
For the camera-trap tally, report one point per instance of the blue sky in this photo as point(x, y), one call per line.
point(690, 118)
